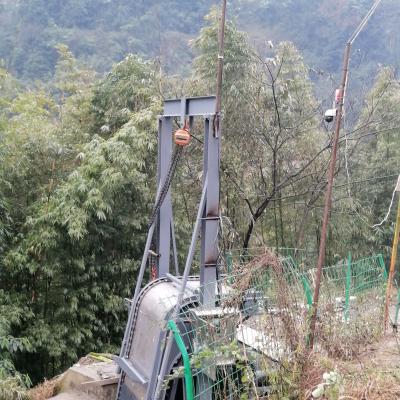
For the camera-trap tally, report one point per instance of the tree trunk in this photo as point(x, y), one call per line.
point(303, 223)
point(248, 235)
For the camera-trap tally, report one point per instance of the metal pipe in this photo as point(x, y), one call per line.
point(307, 290)
point(192, 248)
point(186, 360)
point(178, 283)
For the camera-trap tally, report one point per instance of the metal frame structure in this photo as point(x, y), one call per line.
point(143, 370)
point(190, 108)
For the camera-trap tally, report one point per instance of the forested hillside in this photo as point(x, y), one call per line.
point(100, 32)
point(78, 129)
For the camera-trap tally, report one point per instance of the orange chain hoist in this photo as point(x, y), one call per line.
point(182, 136)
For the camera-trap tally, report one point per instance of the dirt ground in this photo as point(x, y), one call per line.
point(384, 354)
point(375, 373)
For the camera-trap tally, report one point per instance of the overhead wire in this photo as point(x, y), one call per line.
point(346, 150)
point(396, 189)
point(364, 22)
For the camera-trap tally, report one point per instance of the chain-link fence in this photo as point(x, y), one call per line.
point(252, 342)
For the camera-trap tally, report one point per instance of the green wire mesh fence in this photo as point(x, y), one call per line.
point(259, 326)
point(297, 257)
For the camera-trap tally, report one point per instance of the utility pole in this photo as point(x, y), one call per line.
point(220, 70)
point(393, 258)
point(331, 172)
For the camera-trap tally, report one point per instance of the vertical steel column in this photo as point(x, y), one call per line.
point(164, 219)
point(210, 220)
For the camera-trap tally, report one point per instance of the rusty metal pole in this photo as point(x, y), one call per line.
point(328, 196)
point(220, 70)
point(393, 259)
point(331, 171)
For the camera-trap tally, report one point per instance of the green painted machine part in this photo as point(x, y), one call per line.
point(186, 360)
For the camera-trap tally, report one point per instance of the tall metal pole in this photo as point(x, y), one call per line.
point(220, 70)
point(328, 197)
point(331, 172)
point(393, 258)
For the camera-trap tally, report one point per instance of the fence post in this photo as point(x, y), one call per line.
point(382, 264)
point(307, 290)
point(348, 285)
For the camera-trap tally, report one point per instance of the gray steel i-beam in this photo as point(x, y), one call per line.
point(164, 220)
point(210, 218)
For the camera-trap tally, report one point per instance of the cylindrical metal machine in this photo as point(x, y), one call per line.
point(154, 308)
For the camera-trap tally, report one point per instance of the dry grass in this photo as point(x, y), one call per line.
point(372, 384)
point(372, 375)
point(375, 375)
point(356, 384)
point(45, 390)
point(254, 275)
point(340, 345)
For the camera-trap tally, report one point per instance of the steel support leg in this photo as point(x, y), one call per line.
point(210, 221)
point(185, 277)
point(164, 220)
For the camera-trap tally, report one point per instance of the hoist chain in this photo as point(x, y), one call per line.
point(167, 183)
point(160, 199)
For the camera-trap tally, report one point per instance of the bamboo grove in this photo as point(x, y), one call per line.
point(78, 173)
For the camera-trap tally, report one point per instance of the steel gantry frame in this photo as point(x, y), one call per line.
point(191, 108)
point(143, 373)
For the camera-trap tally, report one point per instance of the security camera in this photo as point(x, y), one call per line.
point(330, 114)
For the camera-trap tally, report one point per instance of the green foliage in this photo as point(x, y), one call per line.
point(80, 205)
point(373, 166)
point(277, 126)
point(12, 383)
point(78, 164)
point(237, 56)
point(129, 87)
point(80, 251)
point(101, 32)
